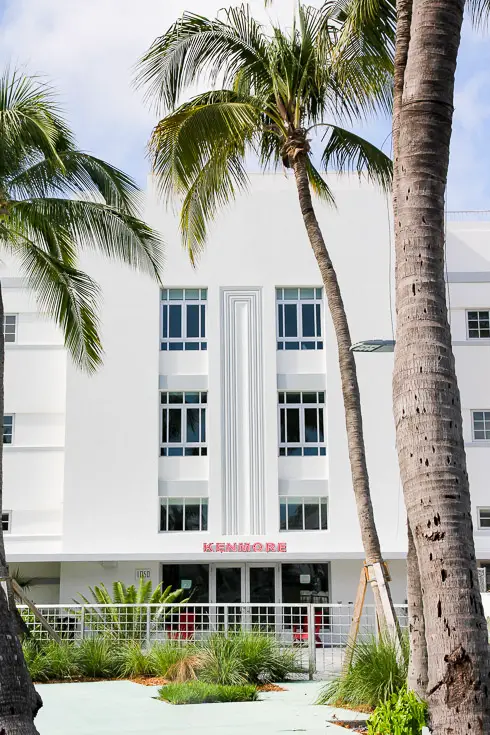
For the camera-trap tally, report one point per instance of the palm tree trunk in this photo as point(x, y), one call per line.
point(348, 375)
point(426, 397)
point(19, 701)
point(417, 670)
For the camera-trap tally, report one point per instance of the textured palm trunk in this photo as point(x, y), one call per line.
point(417, 673)
point(425, 391)
point(348, 376)
point(19, 701)
point(417, 669)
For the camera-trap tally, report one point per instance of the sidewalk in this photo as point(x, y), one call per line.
point(124, 708)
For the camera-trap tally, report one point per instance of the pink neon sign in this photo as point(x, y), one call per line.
point(245, 548)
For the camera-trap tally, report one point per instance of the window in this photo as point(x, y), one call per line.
point(483, 517)
point(303, 514)
point(299, 318)
point(478, 324)
point(193, 578)
point(485, 583)
point(183, 319)
point(6, 521)
point(301, 424)
point(481, 425)
point(8, 428)
point(183, 424)
point(10, 327)
point(183, 514)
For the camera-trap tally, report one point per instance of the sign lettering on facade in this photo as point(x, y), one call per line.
point(143, 574)
point(245, 548)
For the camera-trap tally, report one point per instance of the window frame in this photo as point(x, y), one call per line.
point(183, 343)
point(194, 449)
point(303, 500)
point(5, 333)
point(486, 423)
point(317, 341)
point(478, 311)
point(7, 513)
point(479, 510)
point(289, 449)
point(12, 432)
point(201, 501)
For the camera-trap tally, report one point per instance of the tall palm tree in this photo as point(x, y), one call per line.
point(55, 201)
point(275, 90)
point(425, 390)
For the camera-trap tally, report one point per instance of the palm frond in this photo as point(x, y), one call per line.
point(67, 295)
point(97, 226)
point(347, 152)
point(76, 173)
point(319, 185)
point(196, 47)
point(479, 11)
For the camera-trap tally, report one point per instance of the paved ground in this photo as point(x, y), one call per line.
point(124, 708)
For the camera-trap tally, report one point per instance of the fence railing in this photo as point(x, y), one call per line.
point(319, 633)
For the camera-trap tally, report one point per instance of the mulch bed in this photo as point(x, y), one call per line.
point(271, 688)
point(150, 681)
point(354, 725)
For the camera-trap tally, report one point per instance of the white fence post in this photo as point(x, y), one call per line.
point(311, 641)
point(82, 623)
point(148, 624)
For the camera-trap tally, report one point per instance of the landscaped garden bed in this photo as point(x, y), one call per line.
point(234, 660)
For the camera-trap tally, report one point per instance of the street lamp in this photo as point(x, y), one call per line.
point(374, 345)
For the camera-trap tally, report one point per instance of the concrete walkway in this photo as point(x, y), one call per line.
point(124, 708)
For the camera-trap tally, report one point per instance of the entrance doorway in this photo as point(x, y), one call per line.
point(244, 583)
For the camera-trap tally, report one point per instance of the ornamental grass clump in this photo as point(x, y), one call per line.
point(378, 670)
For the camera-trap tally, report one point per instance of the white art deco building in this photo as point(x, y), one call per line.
point(210, 450)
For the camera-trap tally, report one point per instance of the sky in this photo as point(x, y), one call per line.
point(88, 48)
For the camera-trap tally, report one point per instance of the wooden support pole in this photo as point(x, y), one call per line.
point(356, 619)
point(18, 591)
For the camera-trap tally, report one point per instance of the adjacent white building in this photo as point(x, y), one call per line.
point(210, 451)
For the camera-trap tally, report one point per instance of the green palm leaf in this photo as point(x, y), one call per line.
point(347, 152)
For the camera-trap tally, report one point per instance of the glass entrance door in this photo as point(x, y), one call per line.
point(262, 590)
point(230, 588)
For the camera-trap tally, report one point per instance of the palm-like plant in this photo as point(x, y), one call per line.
point(276, 89)
point(126, 614)
point(55, 201)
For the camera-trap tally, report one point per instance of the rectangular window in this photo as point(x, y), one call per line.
point(478, 324)
point(481, 425)
point(183, 424)
point(485, 582)
point(183, 319)
point(301, 424)
point(303, 514)
point(183, 514)
point(6, 521)
point(8, 428)
point(483, 517)
point(10, 327)
point(299, 318)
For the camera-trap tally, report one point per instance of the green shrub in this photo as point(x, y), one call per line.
point(198, 692)
point(61, 660)
point(263, 659)
point(377, 672)
point(132, 660)
point(129, 621)
point(174, 661)
point(220, 661)
point(403, 714)
point(36, 660)
point(97, 658)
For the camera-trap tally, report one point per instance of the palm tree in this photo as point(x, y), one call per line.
point(54, 202)
point(275, 91)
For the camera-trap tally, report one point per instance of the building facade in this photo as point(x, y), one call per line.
point(209, 451)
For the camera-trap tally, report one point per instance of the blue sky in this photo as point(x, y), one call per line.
point(88, 47)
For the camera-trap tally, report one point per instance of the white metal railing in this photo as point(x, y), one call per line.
point(468, 215)
point(318, 632)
